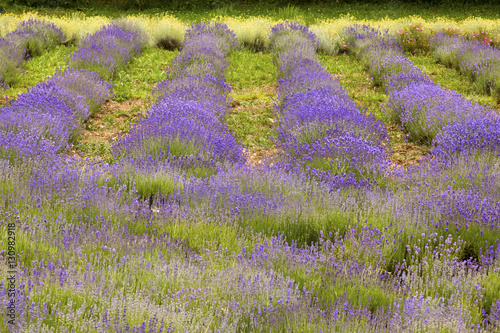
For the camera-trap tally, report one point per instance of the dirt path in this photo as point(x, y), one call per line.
point(103, 127)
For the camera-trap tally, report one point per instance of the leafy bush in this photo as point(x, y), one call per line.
point(413, 39)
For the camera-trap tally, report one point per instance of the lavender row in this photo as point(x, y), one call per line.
point(464, 136)
point(478, 61)
point(429, 113)
point(183, 128)
point(41, 123)
point(320, 128)
point(30, 39)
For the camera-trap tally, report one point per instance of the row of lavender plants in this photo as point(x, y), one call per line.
point(321, 130)
point(183, 134)
point(30, 39)
point(464, 136)
point(478, 61)
point(455, 190)
point(41, 123)
point(420, 106)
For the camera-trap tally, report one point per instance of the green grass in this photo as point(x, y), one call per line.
point(249, 71)
point(120, 119)
point(94, 149)
point(40, 68)
point(308, 13)
point(253, 78)
point(252, 123)
point(142, 73)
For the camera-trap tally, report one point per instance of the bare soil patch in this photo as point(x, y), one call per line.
point(113, 118)
point(103, 127)
point(404, 153)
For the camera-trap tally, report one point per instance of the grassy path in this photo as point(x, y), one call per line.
point(253, 80)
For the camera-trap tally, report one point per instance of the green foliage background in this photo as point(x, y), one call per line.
point(212, 4)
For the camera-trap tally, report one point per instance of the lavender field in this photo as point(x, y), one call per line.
point(249, 175)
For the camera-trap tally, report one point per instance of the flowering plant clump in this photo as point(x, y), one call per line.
point(451, 31)
point(475, 59)
point(413, 39)
point(207, 88)
point(201, 55)
point(483, 37)
point(30, 39)
point(472, 136)
point(89, 85)
point(423, 109)
point(53, 111)
point(219, 30)
point(108, 50)
point(36, 36)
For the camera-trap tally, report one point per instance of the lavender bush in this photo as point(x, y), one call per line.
point(424, 109)
point(478, 61)
point(108, 50)
point(88, 84)
point(176, 129)
point(37, 36)
point(30, 39)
